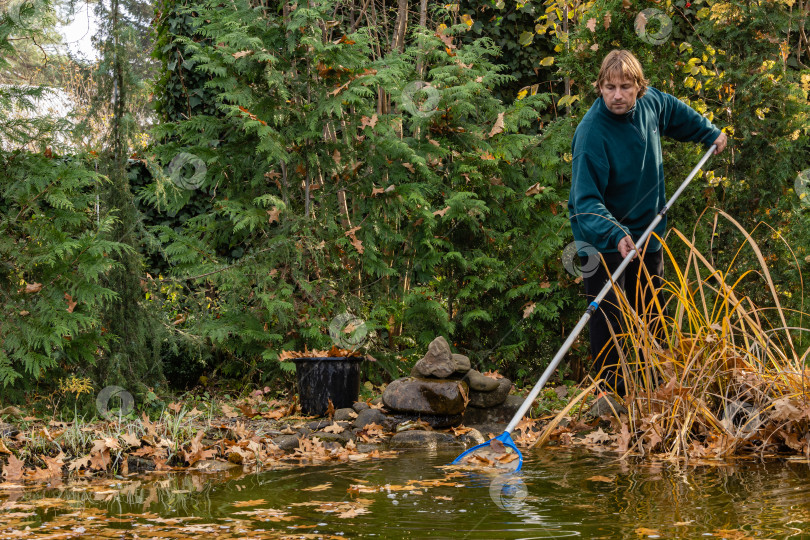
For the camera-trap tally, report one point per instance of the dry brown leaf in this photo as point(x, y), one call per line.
point(368, 122)
point(598, 478)
point(441, 212)
point(319, 487)
point(243, 504)
point(535, 189)
point(597, 437)
point(334, 428)
point(240, 54)
point(13, 470)
point(591, 24)
point(607, 19)
point(131, 439)
point(228, 411)
point(499, 126)
point(33, 288)
point(71, 303)
point(529, 309)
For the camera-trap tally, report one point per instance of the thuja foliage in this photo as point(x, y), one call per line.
point(54, 257)
point(413, 212)
point(53, 244)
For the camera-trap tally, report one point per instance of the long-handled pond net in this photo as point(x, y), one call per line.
point(501, 450)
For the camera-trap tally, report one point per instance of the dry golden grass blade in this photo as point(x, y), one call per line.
point(557, 419)
point(767, 273)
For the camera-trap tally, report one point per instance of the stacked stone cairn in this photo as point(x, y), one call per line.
point(443, 390)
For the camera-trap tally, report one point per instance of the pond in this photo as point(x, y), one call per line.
point(560, 493)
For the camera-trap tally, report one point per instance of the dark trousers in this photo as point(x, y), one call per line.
point(639, 293)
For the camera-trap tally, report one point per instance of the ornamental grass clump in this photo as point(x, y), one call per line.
point(723, 376)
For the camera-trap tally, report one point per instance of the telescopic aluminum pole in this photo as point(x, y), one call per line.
point(594, 305)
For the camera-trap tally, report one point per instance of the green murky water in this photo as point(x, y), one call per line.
point(559, 494)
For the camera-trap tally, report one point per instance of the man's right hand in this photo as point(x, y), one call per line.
point(626, 246)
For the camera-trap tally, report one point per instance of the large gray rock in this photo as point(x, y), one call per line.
point(462, 363)
point(493, 398)
point(480, 382)
point(433, 420)
point(425, 396)
point(423, 440)
point(438, 362)
point(493, 415)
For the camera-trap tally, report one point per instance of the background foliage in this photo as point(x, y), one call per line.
point(319, 175)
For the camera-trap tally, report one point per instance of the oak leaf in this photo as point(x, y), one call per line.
point(13, 470)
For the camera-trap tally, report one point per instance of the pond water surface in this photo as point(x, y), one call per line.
point(559, 494)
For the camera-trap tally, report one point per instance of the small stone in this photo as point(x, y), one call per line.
point(471, 438)
point(343, 437)
point(315, 425)
point(438, 361)
point(433, 420)
point(365, 448)
point(603, 407)
point(423, 440)
point(139, 464)
point(344, 415)
point(287, 442)
point(462, 363)
point(360, 406)
point(369, 416)
point(213, 465)
point(493, 398)
point(480, 382)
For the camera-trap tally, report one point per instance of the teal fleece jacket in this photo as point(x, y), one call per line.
point(618, 173)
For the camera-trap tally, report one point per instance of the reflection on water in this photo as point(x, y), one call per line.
point(558, 494)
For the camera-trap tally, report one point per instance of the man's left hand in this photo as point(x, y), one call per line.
point(720, 142)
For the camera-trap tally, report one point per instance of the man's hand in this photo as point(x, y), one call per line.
point(720, 142)
point(626, 246)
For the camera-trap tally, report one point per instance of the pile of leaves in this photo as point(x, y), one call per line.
point(181, 439)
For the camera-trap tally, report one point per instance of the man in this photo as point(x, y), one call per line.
point(618, 189)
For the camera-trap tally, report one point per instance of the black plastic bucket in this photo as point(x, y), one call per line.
point(327, 378)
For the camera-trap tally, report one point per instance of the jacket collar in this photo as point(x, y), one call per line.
point(624, 117)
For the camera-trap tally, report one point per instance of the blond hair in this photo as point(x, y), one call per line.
point(622, 64)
